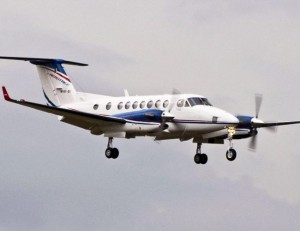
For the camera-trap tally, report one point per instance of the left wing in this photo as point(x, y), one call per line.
point(77, 118)
point(274, 124)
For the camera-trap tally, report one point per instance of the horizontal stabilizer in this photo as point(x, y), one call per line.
point(41, 61)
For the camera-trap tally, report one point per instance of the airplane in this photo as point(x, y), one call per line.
point(163, 117)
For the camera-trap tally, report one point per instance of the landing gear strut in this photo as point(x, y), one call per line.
point(200, 158)
point(231, 153)
point(111, 152)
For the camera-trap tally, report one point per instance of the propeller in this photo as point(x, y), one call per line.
point(253, 143)
point(256, 122)
point(258, 101)
point(173, 99)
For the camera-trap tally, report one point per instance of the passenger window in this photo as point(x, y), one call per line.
point(127, 105)
point(186, 104)
point(108, 106)
point(95, 106)
point(180, 103)
point(166, 103)
point(134, 105)
point(120, 105)
point(150, 104)
point(142, 104)
point(157, 103)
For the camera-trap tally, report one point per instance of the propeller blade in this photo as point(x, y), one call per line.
point(173, 99)
point(175, 91)
point(253, 142)
point(258, 101)
point(271, 129)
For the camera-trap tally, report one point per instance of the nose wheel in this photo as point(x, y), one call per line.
point(111, 152)
point(200, 158)
point(231, 153)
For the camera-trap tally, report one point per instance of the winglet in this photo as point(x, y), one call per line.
point(5, 93)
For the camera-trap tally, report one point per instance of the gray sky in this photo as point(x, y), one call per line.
point(56, 177)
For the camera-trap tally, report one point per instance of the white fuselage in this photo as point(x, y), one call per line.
point(143, 115)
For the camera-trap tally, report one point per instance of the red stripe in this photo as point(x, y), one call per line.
point(60, 74)
point(63, 77)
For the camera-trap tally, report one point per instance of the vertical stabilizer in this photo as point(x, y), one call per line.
point(57, 86)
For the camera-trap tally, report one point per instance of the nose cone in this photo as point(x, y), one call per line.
point(225, 117)
point(230, 119)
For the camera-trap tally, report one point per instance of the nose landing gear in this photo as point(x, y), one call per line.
point(231, 153)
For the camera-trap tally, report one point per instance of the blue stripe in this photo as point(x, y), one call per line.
point(49, 101)
point(151, 115)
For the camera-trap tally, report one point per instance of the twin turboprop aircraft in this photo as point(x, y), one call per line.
point(169, 116)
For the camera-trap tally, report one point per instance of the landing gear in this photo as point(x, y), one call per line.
point(111, 152)
point(231, 153)
point(200, 158)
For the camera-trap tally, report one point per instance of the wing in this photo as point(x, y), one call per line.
point(274, 124)
point(77, 118)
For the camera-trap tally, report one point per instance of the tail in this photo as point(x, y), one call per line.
point(56, 84)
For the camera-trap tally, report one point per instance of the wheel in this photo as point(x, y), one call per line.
point(109, 153)
point(200, 158)
point(204, 158)
point(197, 158)
point(115, 153)
point(231, 154)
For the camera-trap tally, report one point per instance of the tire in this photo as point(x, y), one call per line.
point(197, 158)
point(231, 154)
point(115, 153)
point(200, 158)
point(109, 153)
point(204, 158)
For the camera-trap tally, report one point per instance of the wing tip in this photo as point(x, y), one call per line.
point(5, 93)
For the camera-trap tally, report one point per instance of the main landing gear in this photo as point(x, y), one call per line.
point(200, 158)
point(111, 152)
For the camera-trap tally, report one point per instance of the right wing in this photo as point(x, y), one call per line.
point(77, 118)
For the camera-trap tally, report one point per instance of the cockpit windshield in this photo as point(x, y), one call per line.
point(199, 101)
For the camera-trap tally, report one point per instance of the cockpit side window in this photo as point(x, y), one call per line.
point(195, 101)
point(187, 104)
point(206, 102)
point(198, 101)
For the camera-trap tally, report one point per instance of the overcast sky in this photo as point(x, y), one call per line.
point(56, 177)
